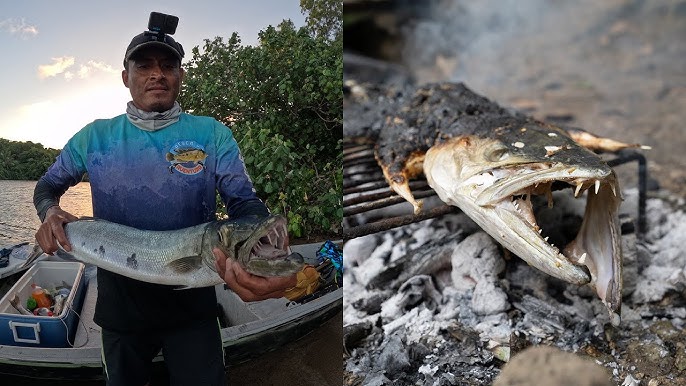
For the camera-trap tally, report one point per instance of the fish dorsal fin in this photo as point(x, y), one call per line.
point(185, 264)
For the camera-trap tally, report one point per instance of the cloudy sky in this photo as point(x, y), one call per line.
point(62, 60)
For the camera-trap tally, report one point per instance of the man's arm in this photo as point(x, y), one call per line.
point(67, 171)
point(233, 182)
point(236, 189)
point(46, 196)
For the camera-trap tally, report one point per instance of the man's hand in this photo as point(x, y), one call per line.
point(51, 231)
point(250, 287)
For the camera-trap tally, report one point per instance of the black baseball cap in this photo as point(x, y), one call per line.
point(148, 39)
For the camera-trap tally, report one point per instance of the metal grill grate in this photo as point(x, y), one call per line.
point(366, 190)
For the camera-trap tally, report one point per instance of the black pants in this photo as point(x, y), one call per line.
point(194, 355)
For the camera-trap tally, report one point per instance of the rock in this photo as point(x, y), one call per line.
point(394, 358)
point(545, 365)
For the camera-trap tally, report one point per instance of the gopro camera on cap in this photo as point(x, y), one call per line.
point(162, 23)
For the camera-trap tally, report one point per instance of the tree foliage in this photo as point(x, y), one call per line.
point(283, 102)
point(24, 160)
point(324, 18)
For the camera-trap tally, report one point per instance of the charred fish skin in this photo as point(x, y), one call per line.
point(432, 115)
point(182, 257)
point(489, 161)
point(365, 106)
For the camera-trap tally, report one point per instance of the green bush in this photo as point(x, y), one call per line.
point(293, 183)
point(283, 102)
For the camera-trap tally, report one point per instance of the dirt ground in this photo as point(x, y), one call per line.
point(313, 360)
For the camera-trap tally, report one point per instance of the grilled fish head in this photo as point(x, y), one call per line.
point(492, 178)
point(260, 245)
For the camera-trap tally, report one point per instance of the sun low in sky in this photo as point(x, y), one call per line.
point(62, 61)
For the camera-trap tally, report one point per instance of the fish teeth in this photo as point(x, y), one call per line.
point(614, 191)
point(597, 186)
point(546, 239)
point(582, 259)
point(578, 190)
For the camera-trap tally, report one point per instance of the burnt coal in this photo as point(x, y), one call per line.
point(459, 319)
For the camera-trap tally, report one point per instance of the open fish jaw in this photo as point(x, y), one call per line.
point(261, 248)
point(495, 190)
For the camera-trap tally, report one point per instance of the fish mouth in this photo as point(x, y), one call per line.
point(500, 201)
point(272, 244)
point(266, 251)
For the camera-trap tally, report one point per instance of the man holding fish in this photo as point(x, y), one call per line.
point(156, 168)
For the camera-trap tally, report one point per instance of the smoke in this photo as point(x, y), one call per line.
point(511, 44)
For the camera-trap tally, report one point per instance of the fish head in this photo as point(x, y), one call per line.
point(492, 178)
point(259, 244)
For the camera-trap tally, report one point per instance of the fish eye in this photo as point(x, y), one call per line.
point(498, 153)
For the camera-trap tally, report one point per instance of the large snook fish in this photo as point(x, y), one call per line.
point(183, 257)
point(489, 162)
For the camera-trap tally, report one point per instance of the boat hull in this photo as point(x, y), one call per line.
point(252, 330)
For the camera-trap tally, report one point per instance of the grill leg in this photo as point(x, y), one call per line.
point(626, 156)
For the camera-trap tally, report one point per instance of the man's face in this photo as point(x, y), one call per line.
point(153, 77)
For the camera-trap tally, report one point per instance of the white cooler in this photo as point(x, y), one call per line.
point(43, 331)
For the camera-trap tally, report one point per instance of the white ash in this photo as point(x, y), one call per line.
point(461, 315)
point(358, 250)
point(476, 264)
point(665, 239)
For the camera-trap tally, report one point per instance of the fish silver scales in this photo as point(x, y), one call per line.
point(183, 257)
point(151, 256)
point(490, 161)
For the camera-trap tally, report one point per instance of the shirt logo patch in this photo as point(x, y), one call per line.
point(186, 157)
